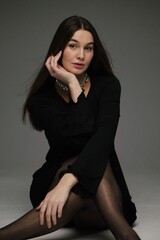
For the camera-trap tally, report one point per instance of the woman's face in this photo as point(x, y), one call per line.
point(78, 53)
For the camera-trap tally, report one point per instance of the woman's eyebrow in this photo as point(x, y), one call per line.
point(74, 40)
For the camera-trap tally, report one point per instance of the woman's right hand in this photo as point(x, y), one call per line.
point(57, 71)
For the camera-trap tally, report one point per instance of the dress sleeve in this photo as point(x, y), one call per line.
point(90, 164)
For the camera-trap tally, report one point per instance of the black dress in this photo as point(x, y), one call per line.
point(85, 129)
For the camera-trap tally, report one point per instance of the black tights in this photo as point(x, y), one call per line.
point(104, 211)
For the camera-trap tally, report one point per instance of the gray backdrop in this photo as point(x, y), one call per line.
point(130, 30)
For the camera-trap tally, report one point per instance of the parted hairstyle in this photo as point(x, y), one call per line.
point(99, 65)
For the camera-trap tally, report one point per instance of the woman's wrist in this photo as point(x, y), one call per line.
point(68, 180)
point(74, 84)
point(75, 89)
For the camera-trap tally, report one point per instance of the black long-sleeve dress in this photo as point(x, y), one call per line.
point(85, 129)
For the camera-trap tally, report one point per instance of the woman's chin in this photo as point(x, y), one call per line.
point(78, 72)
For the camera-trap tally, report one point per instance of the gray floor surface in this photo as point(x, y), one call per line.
point(14, 202)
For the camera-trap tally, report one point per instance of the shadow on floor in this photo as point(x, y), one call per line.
point(74, 234)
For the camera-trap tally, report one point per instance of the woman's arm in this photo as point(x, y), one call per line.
point(91, 162)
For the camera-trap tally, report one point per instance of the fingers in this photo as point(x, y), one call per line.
point(54, 215)
point(39, 207)
point(54, 59)
point(42, 213)
point(52, 206)
point(56, 212)
point(45, 213)
point(52, 64)
point(50, 212)
point(49, 216)
point(60, 209)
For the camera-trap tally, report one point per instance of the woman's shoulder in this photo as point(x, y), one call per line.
point(104, 82)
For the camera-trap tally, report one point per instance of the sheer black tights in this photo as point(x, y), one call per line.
point(103, 211)
point(28, 226)
point(108, 201)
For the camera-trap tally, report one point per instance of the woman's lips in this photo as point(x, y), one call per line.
point(78, 65)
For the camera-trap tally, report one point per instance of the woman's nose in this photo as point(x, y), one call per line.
point(80, 54)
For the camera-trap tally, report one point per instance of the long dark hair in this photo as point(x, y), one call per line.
point(99, 65)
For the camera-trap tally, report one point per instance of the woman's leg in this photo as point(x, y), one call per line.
point(108, 201)
point(29, 226)
point(106, 210)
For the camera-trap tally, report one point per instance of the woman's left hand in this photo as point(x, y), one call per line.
point(52, 205)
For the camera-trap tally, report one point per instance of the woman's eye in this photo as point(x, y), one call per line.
point(88, 49)
point(72, 45)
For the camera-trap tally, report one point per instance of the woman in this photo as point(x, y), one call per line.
point(75, 101)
